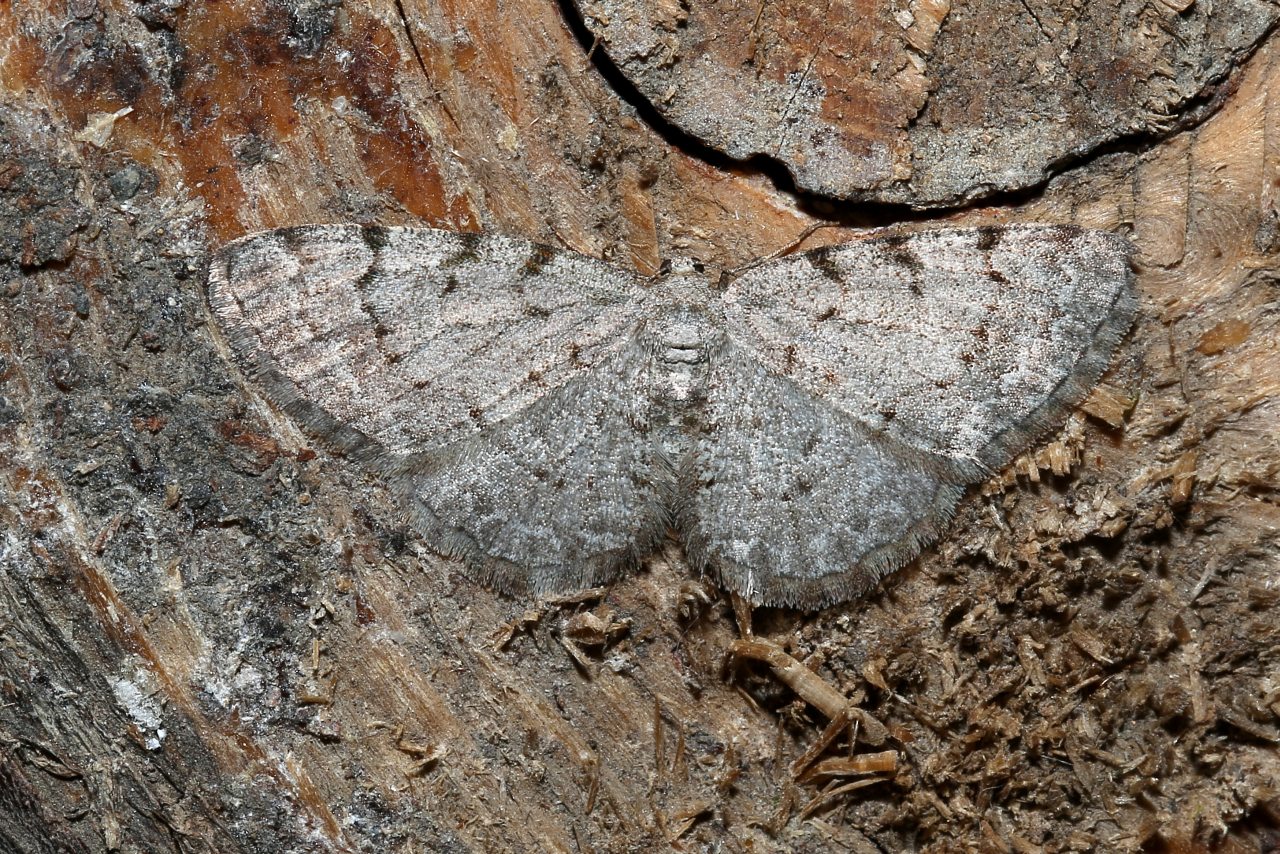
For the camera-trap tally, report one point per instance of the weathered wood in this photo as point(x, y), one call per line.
point(220, 638)
point(925, 103)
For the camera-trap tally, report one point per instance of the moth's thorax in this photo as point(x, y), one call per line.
point(684, 284)
point(679, 339)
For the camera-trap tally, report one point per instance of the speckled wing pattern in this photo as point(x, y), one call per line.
point(792, 501)
point(876, 380)
point(415, 338)
point(458, 365)
point(547, 417)
point(964, 343)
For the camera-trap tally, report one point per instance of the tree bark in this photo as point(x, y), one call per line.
point(219, 637)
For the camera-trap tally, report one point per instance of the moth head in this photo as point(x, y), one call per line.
point(681, 266)
point(682, 281)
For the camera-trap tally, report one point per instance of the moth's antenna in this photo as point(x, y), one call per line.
point(785, 250)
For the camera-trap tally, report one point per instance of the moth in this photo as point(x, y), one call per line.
point(548, 418)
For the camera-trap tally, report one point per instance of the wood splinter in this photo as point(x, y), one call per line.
point(824, 697)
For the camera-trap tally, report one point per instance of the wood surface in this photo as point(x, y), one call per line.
point(218, 637)
point(924, 103)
